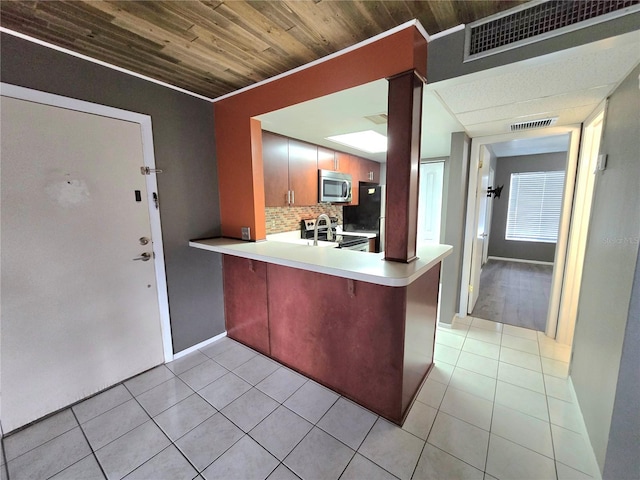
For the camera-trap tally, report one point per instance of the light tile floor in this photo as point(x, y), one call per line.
point(496, 405)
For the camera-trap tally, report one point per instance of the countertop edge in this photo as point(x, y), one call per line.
point(400, 276)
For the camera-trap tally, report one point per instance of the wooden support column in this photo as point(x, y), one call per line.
point(403, 166)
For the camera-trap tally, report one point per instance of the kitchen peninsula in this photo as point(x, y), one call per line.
point(358, 324)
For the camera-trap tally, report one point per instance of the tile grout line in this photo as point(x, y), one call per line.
point(93, 452)
point(493, 408)
point(4, 457)
point(171, 442)
point(247, 434)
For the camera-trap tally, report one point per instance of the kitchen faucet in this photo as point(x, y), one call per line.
point(327, 222)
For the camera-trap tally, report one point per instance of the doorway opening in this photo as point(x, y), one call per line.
point(518, 230)
point(481, 250)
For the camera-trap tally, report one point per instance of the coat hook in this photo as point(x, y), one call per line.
point(495, 191)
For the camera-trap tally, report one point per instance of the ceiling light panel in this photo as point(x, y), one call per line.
point(367, 141)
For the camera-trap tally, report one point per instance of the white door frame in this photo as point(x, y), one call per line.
point(581, 216)
point(144, 121)
point(574, 132)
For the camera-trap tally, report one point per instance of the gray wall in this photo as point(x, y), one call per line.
point(184, 149)
point(446, 54)
point(599, 370)
point(625, 423)
point(505, 166)
point(454, 210)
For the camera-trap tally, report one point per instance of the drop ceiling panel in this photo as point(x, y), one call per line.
point(538, 106)
point(575, 73)
point(567, 116)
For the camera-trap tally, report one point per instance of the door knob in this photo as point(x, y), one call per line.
point(145, 257)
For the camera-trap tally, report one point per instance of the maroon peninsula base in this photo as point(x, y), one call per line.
point(371, 343)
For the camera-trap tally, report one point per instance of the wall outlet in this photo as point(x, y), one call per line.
point(246, 233)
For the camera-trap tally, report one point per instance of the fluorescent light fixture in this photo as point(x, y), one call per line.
point(367, 141)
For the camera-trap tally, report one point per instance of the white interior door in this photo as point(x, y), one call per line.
point(481, 228)
point(79, 305)
point(489, 214)
point(430, 201)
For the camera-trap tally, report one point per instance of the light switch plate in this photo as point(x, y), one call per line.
point(602, 162)
point(246, 233)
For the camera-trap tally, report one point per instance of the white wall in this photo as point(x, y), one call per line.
point(610, 264)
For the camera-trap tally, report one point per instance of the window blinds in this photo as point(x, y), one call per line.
point(535, 203)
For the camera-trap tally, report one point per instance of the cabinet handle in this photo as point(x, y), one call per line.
point(335, 164)
point(293, 196)
point(288, 197)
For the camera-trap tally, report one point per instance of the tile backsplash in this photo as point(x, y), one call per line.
point(286, 219)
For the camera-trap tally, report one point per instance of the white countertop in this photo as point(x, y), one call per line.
point(294, 237)
point(366, 267)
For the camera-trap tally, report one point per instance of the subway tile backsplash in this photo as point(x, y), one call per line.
point(285, 219)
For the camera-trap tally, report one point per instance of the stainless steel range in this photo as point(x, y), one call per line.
point(347, 242)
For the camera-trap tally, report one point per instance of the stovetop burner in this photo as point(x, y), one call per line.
point(306, 232)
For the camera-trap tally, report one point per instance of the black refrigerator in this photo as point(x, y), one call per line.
point(368, 215)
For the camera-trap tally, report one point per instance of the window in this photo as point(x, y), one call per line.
point(535, 202)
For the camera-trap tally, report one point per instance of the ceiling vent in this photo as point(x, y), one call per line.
point(541, 123)
point(536, 21)
point(378, 119)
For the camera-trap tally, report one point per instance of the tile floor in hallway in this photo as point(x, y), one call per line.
point(496, 405)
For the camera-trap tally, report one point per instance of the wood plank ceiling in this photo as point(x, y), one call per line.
point(213, 47)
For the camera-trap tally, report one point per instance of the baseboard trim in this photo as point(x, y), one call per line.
point(189, 350)
point(519, 260)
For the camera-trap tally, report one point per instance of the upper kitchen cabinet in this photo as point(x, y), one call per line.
point(344, 163)
point(275, 159)
point(336, 161)
point(327, 159)
point(361, 170)
point(290, 171)
point(303, 173)
point(369, 171)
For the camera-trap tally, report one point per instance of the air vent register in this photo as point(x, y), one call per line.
point(539, 20)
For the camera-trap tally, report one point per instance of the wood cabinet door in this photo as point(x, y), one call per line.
point(326, 159)
point(343, 162)
point(245, 302)
point(303, 173)
point(376, 172)
point(343, 333)
point(369, 171)
point(355, 170)
point(275, 158)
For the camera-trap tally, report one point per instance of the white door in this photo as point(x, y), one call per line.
point(489, 214)
point(481, 228)
point(79, 302)
point(430, 201)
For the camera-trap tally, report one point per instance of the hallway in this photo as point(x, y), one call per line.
point(496, 405)
point(515, 293)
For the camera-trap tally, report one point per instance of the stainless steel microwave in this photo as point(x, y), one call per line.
point(334, 186)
